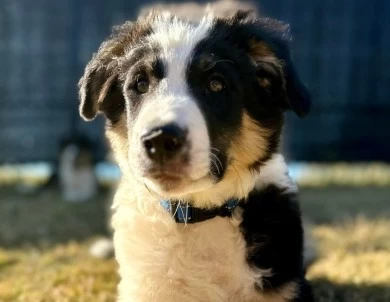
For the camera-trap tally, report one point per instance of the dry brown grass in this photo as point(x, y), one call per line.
point(44, 247)
point(62, 273)
point(354, 261)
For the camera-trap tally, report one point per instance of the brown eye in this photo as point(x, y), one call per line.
point(142, 86)
point(216, 85)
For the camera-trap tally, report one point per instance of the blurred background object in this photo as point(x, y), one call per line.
point(76, 173)
point(194, 11)
point(340, 154)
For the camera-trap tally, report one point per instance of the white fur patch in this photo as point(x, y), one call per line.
point(161, 260)
point(275, 172)
point(164, 261)
point(172, 102)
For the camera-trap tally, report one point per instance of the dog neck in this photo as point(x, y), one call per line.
point(274, 172)
point(183, 212)
point(236, 186)
point(238, 183)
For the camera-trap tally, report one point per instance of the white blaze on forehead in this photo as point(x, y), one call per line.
point(171, 101)
point(177, 40)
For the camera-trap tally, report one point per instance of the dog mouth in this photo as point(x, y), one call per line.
point(177, 181)
point(167, 182)
point(166, 176)
point(176, 175)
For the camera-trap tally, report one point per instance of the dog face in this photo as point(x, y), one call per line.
point(188, 105)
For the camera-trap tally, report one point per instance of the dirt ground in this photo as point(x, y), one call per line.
point(44, 246)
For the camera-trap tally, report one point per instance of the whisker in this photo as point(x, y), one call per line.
point(177, 207)
point(213, 161)
point(217, 159)
point(148, 189)
point(182, 212)
point(215, 149)
point(185, 220)
point(184, 215)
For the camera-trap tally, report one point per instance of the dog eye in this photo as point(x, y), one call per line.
point(142, 86)
point(216, 85)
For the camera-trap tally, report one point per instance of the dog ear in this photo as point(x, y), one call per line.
point(99, 87)
point(267, 42)
point(95, 87)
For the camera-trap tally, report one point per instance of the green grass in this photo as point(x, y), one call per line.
point(44, 246)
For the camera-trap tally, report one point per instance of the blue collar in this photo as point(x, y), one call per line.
point(183, 213)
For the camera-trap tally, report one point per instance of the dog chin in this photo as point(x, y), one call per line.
point(171, 188)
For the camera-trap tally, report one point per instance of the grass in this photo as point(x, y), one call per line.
point(44, 246)
point(352, 233)
point(64, 272)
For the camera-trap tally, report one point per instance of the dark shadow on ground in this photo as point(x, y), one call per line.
point(326, 291)
point(335, 204)
point(42, 219)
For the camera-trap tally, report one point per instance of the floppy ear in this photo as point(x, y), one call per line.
point(268, 45)
point(99, 87)
point(96, 87)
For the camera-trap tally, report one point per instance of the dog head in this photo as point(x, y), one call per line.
point(193, 107)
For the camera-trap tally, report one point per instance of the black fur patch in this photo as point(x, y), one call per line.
point(222, 110)
point(271, 226)
point(225, 54)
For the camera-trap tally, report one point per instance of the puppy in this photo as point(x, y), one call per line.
point(205, 210)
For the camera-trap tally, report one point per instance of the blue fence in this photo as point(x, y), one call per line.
point(342, 50)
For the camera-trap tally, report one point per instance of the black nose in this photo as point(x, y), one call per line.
point(164, 142)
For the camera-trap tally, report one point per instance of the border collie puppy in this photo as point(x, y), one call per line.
point(205, 210)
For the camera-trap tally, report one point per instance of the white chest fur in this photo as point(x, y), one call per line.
point(160, 260)
point(164, 261)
